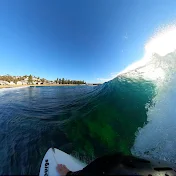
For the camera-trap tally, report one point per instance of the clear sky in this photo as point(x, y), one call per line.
point(77, 39)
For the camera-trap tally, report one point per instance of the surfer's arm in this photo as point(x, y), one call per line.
point(63, 170)
point(74, 173)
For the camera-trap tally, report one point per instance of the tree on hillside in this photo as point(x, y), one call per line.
point(43, 80)
point(60, 81)
point(30, 81)
point(63, 81)
point(57, 81)
point(15, 81)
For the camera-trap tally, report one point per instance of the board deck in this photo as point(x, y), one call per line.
point(52, 158)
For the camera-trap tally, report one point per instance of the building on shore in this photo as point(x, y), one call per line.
point(26, 79)
point(24, 82)
point(4, 83)
point(11, 83)
point(37, 82)
point(21, 82)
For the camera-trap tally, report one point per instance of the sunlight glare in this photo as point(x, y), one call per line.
point(162, 43)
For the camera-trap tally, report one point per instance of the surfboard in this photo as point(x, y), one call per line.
point(53, 157)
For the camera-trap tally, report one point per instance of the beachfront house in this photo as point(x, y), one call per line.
point(11, 83)
point(50, 82)
point(24, 82)
point(39, 82)
point(1, 82)
point(4, 82)
point(21, 82)
point(26, 79)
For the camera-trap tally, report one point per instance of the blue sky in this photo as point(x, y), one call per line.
point(77, 39)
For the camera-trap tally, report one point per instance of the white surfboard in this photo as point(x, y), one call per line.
point(54, 157)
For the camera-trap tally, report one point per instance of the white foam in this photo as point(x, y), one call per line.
point(161, 43)
point(3, 90)
point(158, 138)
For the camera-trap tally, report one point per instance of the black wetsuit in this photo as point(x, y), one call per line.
point(102, 166)
point(118, 164)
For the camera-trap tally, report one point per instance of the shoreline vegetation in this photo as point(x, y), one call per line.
point(8, 81)
point(24, 80)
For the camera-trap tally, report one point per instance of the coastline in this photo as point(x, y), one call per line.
point(53, 85)
point(42, 85)
point(13, 86)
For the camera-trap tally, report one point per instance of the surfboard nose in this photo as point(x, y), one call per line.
point(53, 157)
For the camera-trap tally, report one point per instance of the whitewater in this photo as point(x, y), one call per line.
point(157, 138)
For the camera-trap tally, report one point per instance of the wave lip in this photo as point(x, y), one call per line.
point(157, 138)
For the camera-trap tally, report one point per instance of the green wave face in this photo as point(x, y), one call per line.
point(110, 119)
point(116, 117)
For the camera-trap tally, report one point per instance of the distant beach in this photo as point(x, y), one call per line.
point(20, 86)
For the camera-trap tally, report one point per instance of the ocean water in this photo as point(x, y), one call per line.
point(134, 113)
point(85, 121)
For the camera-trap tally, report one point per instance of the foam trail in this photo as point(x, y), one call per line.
point(157, 139)
point(6, 90)
point(13, 88)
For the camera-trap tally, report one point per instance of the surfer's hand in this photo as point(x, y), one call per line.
point(62, 169)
